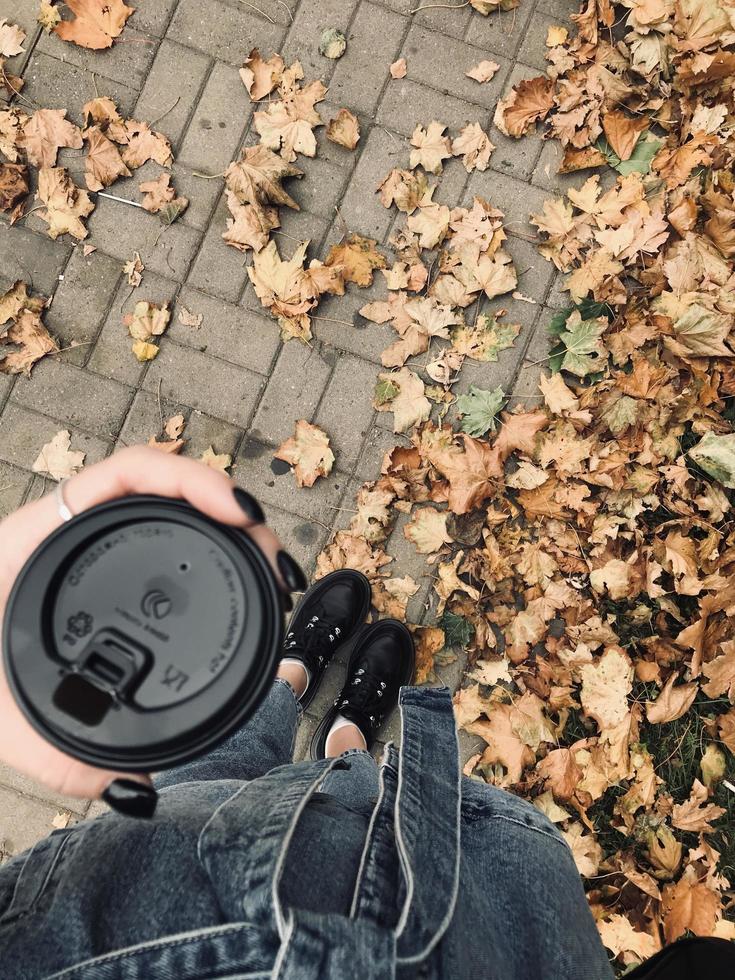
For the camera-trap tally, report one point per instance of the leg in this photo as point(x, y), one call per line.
point(264, 742)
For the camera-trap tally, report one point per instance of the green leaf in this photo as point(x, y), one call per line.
point(716, 456)
point(332, 43)
point(385, 391)
point(458, 631)
point(640, 160)
point(583, 352)
point(479, 409)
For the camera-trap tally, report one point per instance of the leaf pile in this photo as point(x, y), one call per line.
point(23, 337)
point(114, 148)
point(583, 546)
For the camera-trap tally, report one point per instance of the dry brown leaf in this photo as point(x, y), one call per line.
point(672, 702)
point(308, 452)
point(474, 146)
point(261, 77)
point(147, 320)
point(133, 270)
point(103, 163)
point(407, 400)
point(159, 196)
point(344, 129)
point(189, 319)
point(483, 71)
point(57, 459)
point(66, 204)
point(427, 529)
point(529, 102)
point(695, 815)
point(14, 185)
point(586, 852)
point(216, 461)
point(349, 550)
point(606, 685)
point(95, 24)
point(398, 69)
point(144, 145)
point(619, 936)
point(358, 258)
point(428, 641)
point(622, 131)
point(431, 147)
point(48, 16)
point(45, 132)
point(11, 39)
point(689, 906)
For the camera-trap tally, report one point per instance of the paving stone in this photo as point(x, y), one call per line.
point(533, 270)
point(147, 417)
point(502, 32)
point(23, 14)
point(407, 104)
point(296, 384)
point(13, 485)
point(23, 433)
point(202, 194)
point(379, 441)
point(152, 16)
point(274, 484)
point(223, 31)
point(11, 779)
point(203, 431)
point(373, 45)
point(302, 538)
point(32, 257)
point(361, 209)
point(6, 386)
point(346, 409)
point(516, 156)
point(541, 341)
point(407, 561)
point(81, 302)
point(515, 199)
point(112, 355)
point(562, 10)
point(558, 297)
point(533, 47)
point(450, 21)
point(218, 268)
point(125, 62)
point(172, 88)
point(227, 331)
point(218, 123)
point(304, 734)
point(526, 389)
point(364, 338)
point(230, 392)
point(441, 63)
point(23, 821)
point(321, 188)
point(121, 230)
point(311, 19)
point(75, 397)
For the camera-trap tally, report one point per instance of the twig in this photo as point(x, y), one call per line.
point(8, 486)
point(160, 410)
point(196, 173)
point(261, 12)
point(288, 9)
point(332, 319)
point(339, 215)
point(284, 234)
point(123, 200)
point(444, 6)
point(164, 114)
point(86, 343)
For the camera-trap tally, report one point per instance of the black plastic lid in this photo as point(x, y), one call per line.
point(141, 633)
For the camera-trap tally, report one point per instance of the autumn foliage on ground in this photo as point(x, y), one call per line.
point(581, 545)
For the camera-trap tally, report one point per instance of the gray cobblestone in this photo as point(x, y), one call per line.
point(445, 21)
point(379, 441)
point(10, 779)
point(23, 820)
point(147, 416)
point(558, 297)
point(346, 409)
point(374, 43)
point(533, 47)
point(441, 63)
point(81, 302)
point(126, 63)
point(23, 433)
point(202, 195)
point(218, 123)
point(406, 104)
point(502, 32)
point(13, 485)
point(112, 355)
point(366, 339)
point(35, 258)
point(228, 392)
point(75, 397)
point(311, 19)
point(515, 199)
point(218, 268)
point(274, 484)
point(296, 384)
point(321, 188)
point(227, 331)
point(223, 31)
point(203, 431)
point(172, 87)
point(153, 17)
point(302, 538)
point(56, 84)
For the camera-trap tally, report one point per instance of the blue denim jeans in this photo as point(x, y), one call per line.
point(256, 867)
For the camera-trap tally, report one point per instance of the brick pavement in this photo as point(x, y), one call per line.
point(237, 385)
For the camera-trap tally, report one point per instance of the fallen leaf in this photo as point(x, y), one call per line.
point(48, 16)
point(95, 24)
point(175, 426)
point(695, 815)
point(133, 270)
point(159, 195)
point(61, 819)
point(713, 765)
point(189, 319)
point(144, 145)
point(332, 43)
point(398, 69)
point(57, 459)
point(474, 146)
point(528, 102)
point(103, 163)
point(586, 852)
point(672, 702)
point(358, 258)
point(344, 129)
point(427, 529)
point(556, 35)
point(406, 399)
point(45, 132)
point(261, 77)
point(606, 685)
point(144, 352)
point(715, 454)
point(479, 409)
point(619, 936)
point(431, 147)
point(428, 641)
point(688, 907)
point(216, 461)
point(11, 39)
point(483, 71)
point(14, 185)
point(66, 204)
point(308, 452)
point(147, 320)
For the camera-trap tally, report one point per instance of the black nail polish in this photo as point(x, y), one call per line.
point(287, 603)
point(249, 505)
point(131, 798)
point(291, 572)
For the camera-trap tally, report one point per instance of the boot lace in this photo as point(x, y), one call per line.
point(316, 635)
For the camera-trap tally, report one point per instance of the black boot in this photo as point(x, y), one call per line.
point(329, 615)
point(381, 663)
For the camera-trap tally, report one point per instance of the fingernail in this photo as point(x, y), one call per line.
point(291, 572)
point(249, 505)
point(131, 798)
point(287, 603)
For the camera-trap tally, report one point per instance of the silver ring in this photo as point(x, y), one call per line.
point(61, 505)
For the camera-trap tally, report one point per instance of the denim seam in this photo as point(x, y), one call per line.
point(527, 826)
point(8, 916)
point(212, 816)
point(368, 844)
point(164, 943)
